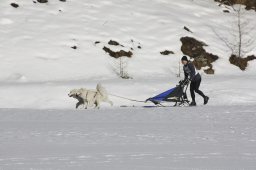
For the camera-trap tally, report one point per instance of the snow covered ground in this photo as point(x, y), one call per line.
point(222, 90)
point(41, 130)
point(210, 137)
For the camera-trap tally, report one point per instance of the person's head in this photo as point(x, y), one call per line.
point(184, 60)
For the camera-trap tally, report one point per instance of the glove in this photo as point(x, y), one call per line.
point(185, 81)
point(182, 81)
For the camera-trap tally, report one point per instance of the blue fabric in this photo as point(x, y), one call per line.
point(162, 96)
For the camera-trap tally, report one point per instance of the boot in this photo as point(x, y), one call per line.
point(206, 99)
point(193, 103)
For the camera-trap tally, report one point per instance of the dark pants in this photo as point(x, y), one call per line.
point(194, 87)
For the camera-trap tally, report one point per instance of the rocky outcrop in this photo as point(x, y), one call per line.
point(240, 62)
point(118, 54)
point(121, 53)
point(74, 47)
point(195, 49)
point(42, 1)
point(187, 29)
point(250, 4)
point(115, 43)
point(14, 5)
point(166, 52)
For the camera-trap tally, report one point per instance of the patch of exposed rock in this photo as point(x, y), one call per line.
point(166, 52)
point(195, 49)
point(240, 62)
point(118, 54)
point(249, 4)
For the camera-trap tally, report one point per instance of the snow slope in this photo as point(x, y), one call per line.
point(212, 138)
point(38, 66)
point(36, 38)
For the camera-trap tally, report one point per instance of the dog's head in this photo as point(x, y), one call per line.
point(74, 93)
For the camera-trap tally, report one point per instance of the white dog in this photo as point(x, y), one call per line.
point(90, 97)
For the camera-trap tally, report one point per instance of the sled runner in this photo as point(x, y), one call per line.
point(177, 95)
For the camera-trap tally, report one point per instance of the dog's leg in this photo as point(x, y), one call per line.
point(79, 103)
point(110, 102)
point(97, 104)
point(91, 103)
point(86, 105)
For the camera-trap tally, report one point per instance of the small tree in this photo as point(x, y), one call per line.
point(243, 39)
point(240, 39)
point(120, 67)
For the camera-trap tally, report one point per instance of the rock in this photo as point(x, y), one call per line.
point(187, 29)
point(195, 49)
point(226, 11)
point(166, 52)
point(240, 62)
point(74, 47)
point(42, 1)
point(249, 4)
point(118, 54)
point(111, 42)
point(209, 71)
point(63, 0)
point(251, 57)
point(96, 42)
point(14, 5)
point(192, 47)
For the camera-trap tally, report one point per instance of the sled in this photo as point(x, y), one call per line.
point(177, 95)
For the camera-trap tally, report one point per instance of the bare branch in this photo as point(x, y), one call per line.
point(225, 41)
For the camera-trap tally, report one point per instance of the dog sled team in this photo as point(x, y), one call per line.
point(90, 98)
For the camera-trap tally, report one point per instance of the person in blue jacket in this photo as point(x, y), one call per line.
point(191, 73)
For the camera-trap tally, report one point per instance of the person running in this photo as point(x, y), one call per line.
point(191, 73)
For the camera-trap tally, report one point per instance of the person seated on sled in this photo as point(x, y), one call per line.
point(191, 73)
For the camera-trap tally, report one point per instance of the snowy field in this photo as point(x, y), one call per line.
point(202, 138)
point(40, 128)
point(222, 90)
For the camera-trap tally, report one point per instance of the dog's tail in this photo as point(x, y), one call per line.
point(101, 90)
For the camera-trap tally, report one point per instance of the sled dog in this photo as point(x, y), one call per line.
point(88, 98)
